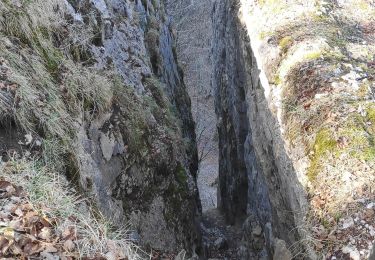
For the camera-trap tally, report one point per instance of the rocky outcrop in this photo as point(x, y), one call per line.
point(193, 29)
point(286, 122)
point(148, 188)
point(123, 129)
point(255, 174)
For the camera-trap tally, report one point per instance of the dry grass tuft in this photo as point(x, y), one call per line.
point(47, 92)
point(51, 195)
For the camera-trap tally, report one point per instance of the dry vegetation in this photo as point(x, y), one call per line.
point(42, 217)
point(47, 88)
point(323, 63)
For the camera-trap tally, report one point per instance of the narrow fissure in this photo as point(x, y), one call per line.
point(214, 129)
point(193, 43)
point(221, 227)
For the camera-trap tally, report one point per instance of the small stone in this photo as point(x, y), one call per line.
point(355, 255)
point(28, 139)
point(370, 205)
point(352, 252)
point(347, 250)
point(348, 223)
point(281, 251)
point(220, 243)
point(257, 231)
point(48, 256)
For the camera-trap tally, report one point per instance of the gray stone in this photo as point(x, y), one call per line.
point(256, 174)
point(153, 186)
point(257, 231)
point(281, 251)
point(220, 243)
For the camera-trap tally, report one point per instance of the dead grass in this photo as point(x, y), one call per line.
point(50, 91)
point(52, 196)
point(47, 92)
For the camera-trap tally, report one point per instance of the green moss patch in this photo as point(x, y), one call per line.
point(324, 144)
point(285, 43)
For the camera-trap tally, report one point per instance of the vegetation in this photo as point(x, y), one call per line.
point(78, 230)
point(49, 90)
point(324, 143)
point(320, 55)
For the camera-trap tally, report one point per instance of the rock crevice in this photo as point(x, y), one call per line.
point(257, 182)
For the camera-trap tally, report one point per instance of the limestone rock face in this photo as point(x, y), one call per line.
point(134, 153)
point(251, 153)
point(292, 88)
point(156, 188)
point(281, 251)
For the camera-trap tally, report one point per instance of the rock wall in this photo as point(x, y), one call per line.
point(294, 106)
point(193, 28)
point(155, 189)
point(257, 183)
point(134, 155)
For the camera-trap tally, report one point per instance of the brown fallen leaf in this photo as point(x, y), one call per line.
point(45, 222)
point(26, 207)
point(29, 217)
point(331, 237)
point(69, 245)
point(16, 249)
point(50, 249)
point(67, 258)
point(307, 105)
point(12, 88)
point(17, 225)
point(33, 248)
point(33, 231)
point(4, 244)
point(69, 233)
point(4, 184)
point(319, 245)
point(342, 142)
point(45, 234)
point(24, 240)
point(18, 212)
point(10, 189)
point(6, 189)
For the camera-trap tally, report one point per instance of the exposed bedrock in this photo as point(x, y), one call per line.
point(257, 182)
point(118, 92)
point(153, 186)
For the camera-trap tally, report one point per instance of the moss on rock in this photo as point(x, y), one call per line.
point(324, 144)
